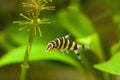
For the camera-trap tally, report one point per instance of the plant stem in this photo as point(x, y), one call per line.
point(33, 22)
point(25, 64)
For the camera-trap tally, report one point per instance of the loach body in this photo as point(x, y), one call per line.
point(64, 44)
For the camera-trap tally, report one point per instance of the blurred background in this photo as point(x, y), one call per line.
point(94, 16)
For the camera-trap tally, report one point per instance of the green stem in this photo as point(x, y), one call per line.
point(25, 64)
point(34, 25)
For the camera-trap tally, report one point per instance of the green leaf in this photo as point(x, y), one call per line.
point(75, 22)
point(81, 27)
point(37, 53)
point(12, 37)
point(115, 48)
point(112, 66)
point(94, 42)
point(96, 46)
point(116, 18)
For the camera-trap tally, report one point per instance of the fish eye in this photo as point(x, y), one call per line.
point(50, 45)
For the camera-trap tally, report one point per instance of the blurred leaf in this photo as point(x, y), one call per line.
point(115, 48)
point(96, 46)
point(75, 22)
point(12, 37)
point(37, 53)
point(19, 37)
point(94, 42)
point(85, 40)
point(116, 18)
point(112, 66)
point(6, 42)
point(80, 26)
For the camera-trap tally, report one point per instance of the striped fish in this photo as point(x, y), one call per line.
point(64, 44)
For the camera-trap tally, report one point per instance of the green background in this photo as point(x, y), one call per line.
point(90, 22)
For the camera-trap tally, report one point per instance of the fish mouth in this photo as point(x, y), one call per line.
point(48, 49)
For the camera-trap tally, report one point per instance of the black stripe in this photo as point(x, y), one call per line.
point(70, 44)
point(61, 42)
point(56, 42)
point(75, 47)
point(83, 46)
point(53, 44)
point(78, 54)
point(66, 42)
